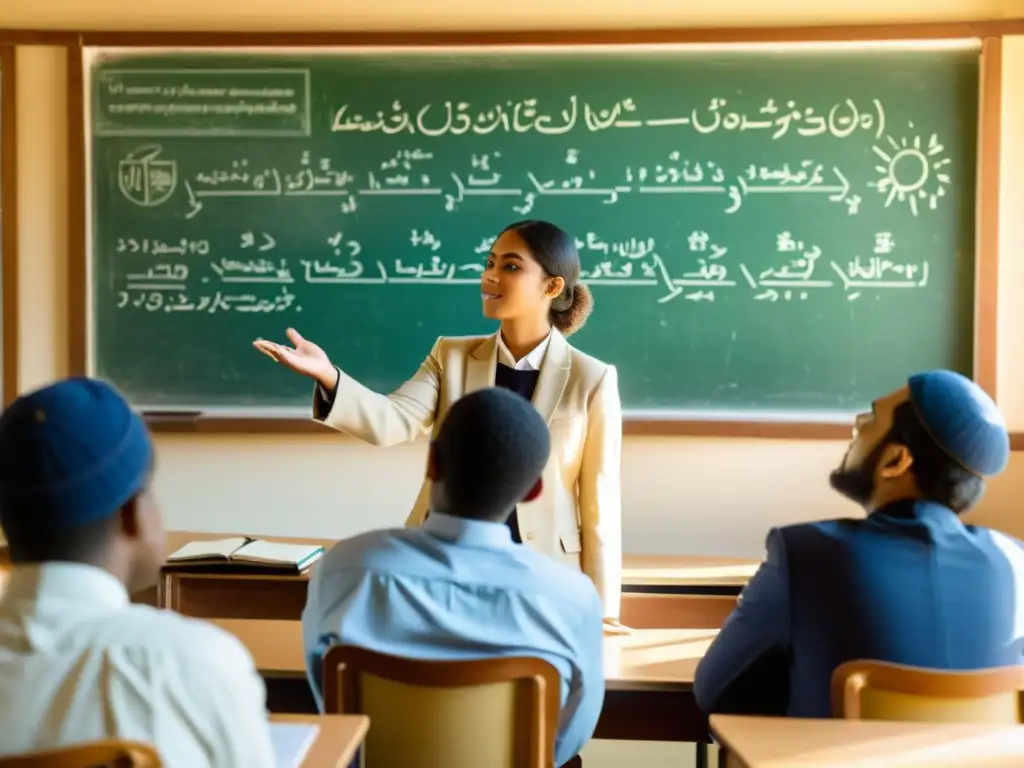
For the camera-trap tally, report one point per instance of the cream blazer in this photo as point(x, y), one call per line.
point(577, 519)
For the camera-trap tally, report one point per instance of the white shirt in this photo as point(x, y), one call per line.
point(530, 362)
point(79, 662)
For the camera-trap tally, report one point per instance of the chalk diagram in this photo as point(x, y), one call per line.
point(912, 171)
point(145, 178)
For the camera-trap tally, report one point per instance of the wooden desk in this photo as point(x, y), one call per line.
point(771, 742)
point(686, 574)
point(337, 741)
point(648, 678)
point(648, 659)
point(679, 592)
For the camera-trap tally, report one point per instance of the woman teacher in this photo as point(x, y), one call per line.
point(531, 284)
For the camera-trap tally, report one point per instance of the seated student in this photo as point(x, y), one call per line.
point(78, 662)
point(909, 584)
point(458, 587)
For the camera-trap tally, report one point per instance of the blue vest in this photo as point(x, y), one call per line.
point(522, 383)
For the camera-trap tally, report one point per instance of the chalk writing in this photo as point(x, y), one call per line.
point(199, 102)
point(912, 170)
point(149, 178)
point(154, 301)
point(839, 120)
point(793, 271)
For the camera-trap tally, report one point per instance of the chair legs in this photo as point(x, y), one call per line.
point(702, 755)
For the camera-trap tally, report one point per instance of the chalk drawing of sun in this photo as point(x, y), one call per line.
point(912, 171)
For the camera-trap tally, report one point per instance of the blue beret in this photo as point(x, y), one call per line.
point(962, 419)
point(71, 453)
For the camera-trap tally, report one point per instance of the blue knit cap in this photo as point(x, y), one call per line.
point(73, 452)
point(962, 419)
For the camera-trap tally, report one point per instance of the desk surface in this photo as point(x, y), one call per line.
point(769, 742)
point(647, 660)
point(661, 570)
point(337, 741)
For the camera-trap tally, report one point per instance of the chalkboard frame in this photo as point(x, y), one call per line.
point(8, 227)
point(986, 210)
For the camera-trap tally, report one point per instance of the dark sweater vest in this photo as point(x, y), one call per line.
point(522, 383)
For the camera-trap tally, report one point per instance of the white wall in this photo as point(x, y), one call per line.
point(680, 495)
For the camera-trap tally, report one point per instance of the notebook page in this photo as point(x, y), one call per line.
point(276, 552)
point(199, 549)
point(291, 742)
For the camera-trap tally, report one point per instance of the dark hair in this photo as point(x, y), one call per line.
point(35, 540)
point(489, 453)
point(940, 478)
point(555, 250)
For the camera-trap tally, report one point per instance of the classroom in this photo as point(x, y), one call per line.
point(679, 495)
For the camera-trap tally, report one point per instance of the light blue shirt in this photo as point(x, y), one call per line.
point(461, 589)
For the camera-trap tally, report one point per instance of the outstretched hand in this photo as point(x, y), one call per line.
point(303, 357)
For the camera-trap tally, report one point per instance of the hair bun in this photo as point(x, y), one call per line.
point(574, 317)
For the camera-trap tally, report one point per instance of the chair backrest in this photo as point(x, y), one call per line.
point(98, 754)
point(499, 712)
point(875, 690)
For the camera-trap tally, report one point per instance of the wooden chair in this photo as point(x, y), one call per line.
point(98, 754)
point(875, 690)
point(502, 713)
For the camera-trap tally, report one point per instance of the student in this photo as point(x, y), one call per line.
point(910, 584)
point(78, 662)
point(531, 284)
point(458, 587)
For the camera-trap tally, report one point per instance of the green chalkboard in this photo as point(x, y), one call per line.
point(765, 232)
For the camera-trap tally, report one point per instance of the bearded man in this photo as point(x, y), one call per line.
point(910, 583)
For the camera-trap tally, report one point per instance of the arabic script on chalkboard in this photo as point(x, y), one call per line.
point(275, 102)
point(897, 166)
point(911, 170)
point(797, 270)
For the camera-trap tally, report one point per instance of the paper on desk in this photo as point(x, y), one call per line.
point(291, 742)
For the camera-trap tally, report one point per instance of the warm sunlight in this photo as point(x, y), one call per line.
point(789, 743)
point(658, 657)
point(656, 569)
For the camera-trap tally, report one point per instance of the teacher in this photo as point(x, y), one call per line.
point(531, 284)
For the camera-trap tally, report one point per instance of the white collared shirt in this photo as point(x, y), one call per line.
point(530, 362)
point(79, 662)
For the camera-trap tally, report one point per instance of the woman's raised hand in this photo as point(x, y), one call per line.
point(303, 357)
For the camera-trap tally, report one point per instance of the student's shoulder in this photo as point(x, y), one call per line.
point(448, 345)
point(557, 581)
point(1009, 546)
point(367, 547)
point(832, 528)
point(168, 634)
point(588, 369)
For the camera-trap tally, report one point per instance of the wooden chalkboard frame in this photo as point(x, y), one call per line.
point(986, 211)
point(8, 225)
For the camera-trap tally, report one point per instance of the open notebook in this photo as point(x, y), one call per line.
point(292, 742)
point(243, 555)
